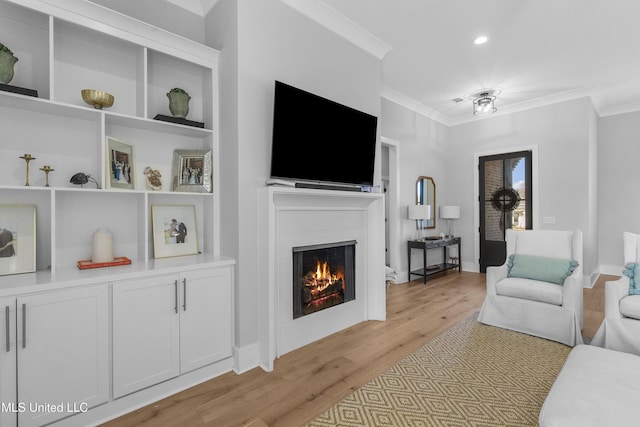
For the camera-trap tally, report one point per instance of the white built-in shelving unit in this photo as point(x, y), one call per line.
point(62, 52)
point(75, 337)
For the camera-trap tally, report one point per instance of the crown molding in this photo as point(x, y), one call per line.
point(341, 25)
point(411, 104)
point(620, 109)
point(198, 7)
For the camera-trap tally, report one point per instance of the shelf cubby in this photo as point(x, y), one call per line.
point(86, 59)
point(165, 73)
point(80, 213)
point(32, 68)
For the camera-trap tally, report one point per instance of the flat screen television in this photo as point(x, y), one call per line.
point(319, 140)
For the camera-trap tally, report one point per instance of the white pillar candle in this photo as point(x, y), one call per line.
point(102, 246)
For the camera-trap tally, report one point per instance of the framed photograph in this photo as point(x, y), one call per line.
point(120, 169)
point(192, 171)
point(17, 239)
point(174, 230)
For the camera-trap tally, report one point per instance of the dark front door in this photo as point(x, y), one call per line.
point(505, 202)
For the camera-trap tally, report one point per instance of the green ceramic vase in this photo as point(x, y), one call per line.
point(7, 61)
point(179, 104)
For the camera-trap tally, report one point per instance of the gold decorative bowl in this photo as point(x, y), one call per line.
point(97, 98)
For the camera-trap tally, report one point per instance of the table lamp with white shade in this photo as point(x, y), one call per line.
point(449, 213)
point(418, 213)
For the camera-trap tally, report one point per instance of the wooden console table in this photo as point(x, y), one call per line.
point(424, 244)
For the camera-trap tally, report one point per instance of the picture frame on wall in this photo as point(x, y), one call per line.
point(17, 239)
point(191, 171)
point(175, 231)
point(120, 165)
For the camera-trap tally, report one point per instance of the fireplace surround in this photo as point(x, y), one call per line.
point(295, 217)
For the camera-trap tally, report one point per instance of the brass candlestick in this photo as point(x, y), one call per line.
point(27, 158)
point(46, 169)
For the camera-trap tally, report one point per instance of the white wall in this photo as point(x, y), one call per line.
point(423, 151)
point(563, 135)
point(274, 42)
point(619, 178)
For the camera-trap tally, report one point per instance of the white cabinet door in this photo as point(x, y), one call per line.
point(8, 395)
point(205, 320)
point(145, 333)
point(63, 353)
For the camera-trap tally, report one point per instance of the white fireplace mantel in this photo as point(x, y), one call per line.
point(296, 217)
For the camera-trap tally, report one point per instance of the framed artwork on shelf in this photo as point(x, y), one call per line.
point(120, 167)
point(17, 239)
point(174, 230)
point(191, 171)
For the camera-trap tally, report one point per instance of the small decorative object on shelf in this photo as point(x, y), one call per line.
point(153, 178)
point(102, 246)
point(122, 171)
point(27, 158)
point(178, 102)
point(175, 232)
point(17, 239)
point(87, 263)
point(192, 171)
point(97, 98)
point(179, 121)
point(7, 61)
point(46, 169)
point(82, 178)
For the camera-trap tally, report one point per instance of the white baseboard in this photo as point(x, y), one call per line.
point(614, 270)
point(246, 358)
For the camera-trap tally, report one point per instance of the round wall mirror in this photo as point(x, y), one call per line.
point(426, 195)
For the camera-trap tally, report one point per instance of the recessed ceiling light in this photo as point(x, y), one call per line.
point(480, 40)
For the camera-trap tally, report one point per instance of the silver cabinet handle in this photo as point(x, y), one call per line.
point(184, 294)
point(176, 290)
point(8, 330)
point(24, 325)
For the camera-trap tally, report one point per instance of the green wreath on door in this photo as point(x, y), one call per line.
point(505, 199)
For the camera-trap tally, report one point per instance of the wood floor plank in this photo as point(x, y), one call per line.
point(307, 381)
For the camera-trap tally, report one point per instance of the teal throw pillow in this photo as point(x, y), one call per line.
point(632, 271)
point(554, 270)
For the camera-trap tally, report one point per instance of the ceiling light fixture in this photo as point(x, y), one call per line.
point(484, 101)
point(480, 40)
point(484, 105)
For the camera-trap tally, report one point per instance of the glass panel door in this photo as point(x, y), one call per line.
point(505, 202)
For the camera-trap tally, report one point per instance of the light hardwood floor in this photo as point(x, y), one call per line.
point(309, 380)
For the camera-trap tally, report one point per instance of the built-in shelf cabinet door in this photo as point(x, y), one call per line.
point(63, 352)
point(205, 318)
point(8, 367)
point(145, 333)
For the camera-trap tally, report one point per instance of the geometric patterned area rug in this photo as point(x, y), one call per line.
point(471, 375)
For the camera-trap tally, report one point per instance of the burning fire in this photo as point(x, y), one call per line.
point(322, 278)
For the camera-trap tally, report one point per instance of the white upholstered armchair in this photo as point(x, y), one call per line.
point(620, 329)
point(536, 306)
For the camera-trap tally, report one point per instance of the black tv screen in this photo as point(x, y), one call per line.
point(319, 140)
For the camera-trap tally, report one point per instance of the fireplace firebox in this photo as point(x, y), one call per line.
point(323, 276)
